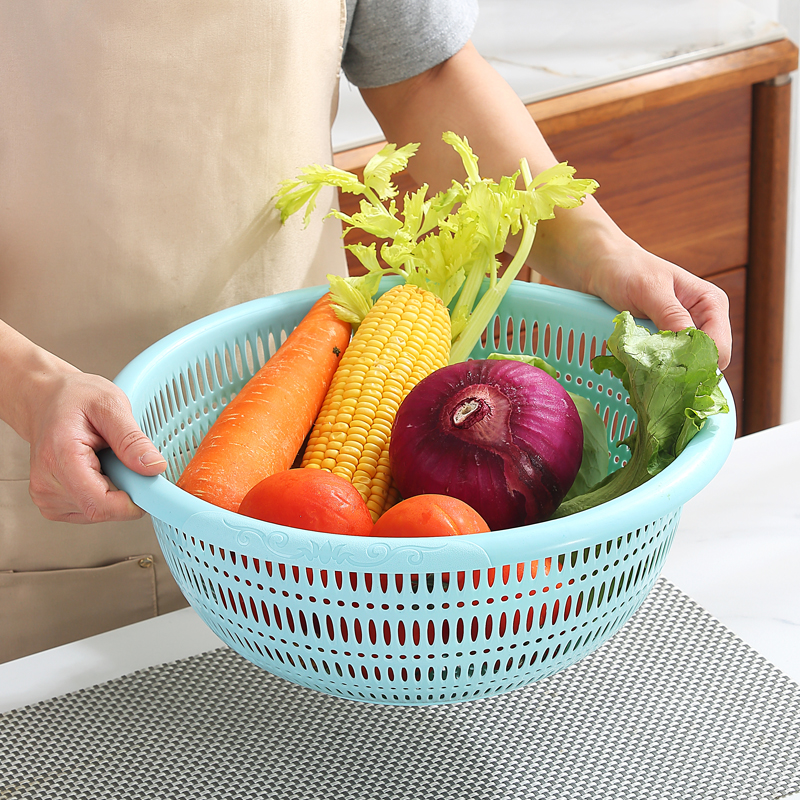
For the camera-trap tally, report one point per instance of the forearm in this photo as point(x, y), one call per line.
point(581, 248)
point(466, 95)
point(571, 248)
point(25, 372)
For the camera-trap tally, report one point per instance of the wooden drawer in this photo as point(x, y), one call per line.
point(733, 283)
point(676, 179)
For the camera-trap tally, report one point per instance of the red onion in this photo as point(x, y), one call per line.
point(503, 436)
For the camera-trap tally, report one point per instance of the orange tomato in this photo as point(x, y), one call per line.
point(312, 499)
point(429, 515)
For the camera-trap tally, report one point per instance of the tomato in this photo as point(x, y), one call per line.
point(312, 499)
point(429, 515)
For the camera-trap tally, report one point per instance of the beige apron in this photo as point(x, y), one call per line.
point(139, 143)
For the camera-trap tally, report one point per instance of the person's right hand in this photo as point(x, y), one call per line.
point(76, 416)
point(67, 416)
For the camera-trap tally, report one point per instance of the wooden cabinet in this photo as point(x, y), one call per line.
point(677, 180)
point(692, 163)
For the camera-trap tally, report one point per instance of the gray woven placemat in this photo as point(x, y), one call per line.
point(673, 707)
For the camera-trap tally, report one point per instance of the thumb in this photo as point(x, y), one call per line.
point(130, 444)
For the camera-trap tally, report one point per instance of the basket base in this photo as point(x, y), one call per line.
point(418, 640)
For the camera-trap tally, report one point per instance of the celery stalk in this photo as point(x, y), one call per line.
point(482, 314)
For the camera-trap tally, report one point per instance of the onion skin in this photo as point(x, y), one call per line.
point(503, 436)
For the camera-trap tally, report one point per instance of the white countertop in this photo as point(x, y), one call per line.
point(737, 550)
point(544, 49)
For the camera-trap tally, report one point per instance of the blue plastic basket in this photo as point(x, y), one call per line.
point(406, 621)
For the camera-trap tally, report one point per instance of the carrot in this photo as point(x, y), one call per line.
point(262, 429)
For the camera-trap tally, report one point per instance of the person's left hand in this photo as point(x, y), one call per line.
point(583, 249)
point(630, 278)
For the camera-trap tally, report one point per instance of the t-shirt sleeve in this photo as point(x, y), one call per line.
point(391, 40)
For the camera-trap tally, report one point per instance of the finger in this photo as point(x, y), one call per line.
point(713, 319)
point(721, 334)
point(709, 307)
point(117, 507)
point(119, 430)
point(103, 502)
point(677, 318)
point(657, 301)
point(688, 301)
point(670, 316)
point(83, 494)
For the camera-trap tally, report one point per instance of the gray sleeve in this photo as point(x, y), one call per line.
point(391, 40)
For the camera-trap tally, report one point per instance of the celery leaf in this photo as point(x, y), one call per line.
point(380, 168)
point(449, 243)
point(293, 194)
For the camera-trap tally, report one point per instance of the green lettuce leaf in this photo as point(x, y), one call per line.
point(534, 361)
point(672, 380)
point(594, 463)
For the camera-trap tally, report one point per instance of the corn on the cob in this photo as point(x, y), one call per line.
point(404, 337)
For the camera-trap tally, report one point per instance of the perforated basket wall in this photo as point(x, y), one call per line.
point(406, 621)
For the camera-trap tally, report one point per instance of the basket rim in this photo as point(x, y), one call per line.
point(661, 496)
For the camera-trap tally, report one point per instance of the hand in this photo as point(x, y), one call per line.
point(583, 249)
point(67, 416)
point(672, 297)
point(76, 416)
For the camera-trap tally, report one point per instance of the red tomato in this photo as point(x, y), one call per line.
point(312, 499)
point(429, 515)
